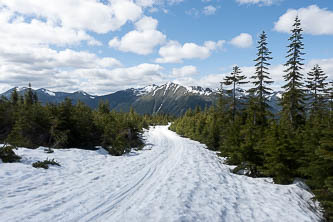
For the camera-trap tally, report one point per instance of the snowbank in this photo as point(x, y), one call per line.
point(171, 179)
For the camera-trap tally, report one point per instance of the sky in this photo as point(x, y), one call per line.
point(101, 46)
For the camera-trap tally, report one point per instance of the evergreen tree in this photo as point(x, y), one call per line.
point(104, 107)
point(325, 152)
point(261, 79)
point(14, 97)
point(235, 79)
point(35, 98)
point(280, 148)
point(316, 86)
point(28, 96)
point(329, 95)
point(293, 108)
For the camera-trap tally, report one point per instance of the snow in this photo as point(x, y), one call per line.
point(171, 179)
point(81, 92)
point(19, 89)
point(177, 87)
point(146, 90)
point(197, 90)
point(166, 88)
point(48, 92)
point(279, 95)
point(188, 89)
point(159, 108)
point(156, 89)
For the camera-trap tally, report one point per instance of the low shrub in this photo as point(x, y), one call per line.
point(45, 164)
point(48, 150)
point(7, 155)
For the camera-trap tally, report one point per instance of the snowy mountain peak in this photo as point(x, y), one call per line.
point(145, 90)
point(175, 88)
point(19, 89)
point(47, 91)
point(199, 90)
point(81, 92)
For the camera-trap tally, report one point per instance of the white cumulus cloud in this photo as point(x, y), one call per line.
point(244, 40)
point(184, 71)
point(141, 41)
point(174, 52)
point(16, 30)
point(314, 20)
point(89, 15)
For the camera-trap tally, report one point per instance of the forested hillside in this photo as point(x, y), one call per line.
point(296, 142)
point(24, 122)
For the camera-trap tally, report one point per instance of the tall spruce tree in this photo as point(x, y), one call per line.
point(14, 97)
point(261, 80)
point(316, 86)
point(28, 96)
point(293, 106)
point(329, 92)
point(235, 79)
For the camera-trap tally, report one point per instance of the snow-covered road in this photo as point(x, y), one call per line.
point(172, 179)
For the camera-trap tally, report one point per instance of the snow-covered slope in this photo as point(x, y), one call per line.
point(172, 179)
point(175, 89)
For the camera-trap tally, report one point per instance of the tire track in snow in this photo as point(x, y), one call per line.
point(176, 180)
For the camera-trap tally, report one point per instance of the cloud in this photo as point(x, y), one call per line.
point(258, 2)
point(174, 52)
point(16, 30)
point(70, 71)
point(141, 41)
point(145, 3)
point(209, 10)
point(184, 71)
point(193, 12)
point(315, 21)
point(90, 15)
point(45, 67)
point(152, 3)
point(244, 40)
point(106, 80)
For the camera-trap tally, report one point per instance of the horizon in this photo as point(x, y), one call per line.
point(133, 44)
point(108, 93)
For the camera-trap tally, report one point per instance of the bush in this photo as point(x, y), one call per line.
point(45, 164)
point(7, 155)
point(48, 150)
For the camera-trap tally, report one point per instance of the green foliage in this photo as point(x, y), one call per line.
point(295, 143)
point(45, 164)
point(293, 107)
point(261, 80)
point(28, 124)
point(7, 155)
point(235, 79)
point(316, 84)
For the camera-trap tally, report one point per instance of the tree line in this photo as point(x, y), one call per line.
point(24, 122)
point(296, 142)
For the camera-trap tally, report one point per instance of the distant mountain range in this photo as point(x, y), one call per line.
point(170, 98)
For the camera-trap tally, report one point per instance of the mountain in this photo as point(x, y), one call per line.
point(170, 98)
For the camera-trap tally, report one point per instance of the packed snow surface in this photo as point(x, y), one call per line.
point(171, 179)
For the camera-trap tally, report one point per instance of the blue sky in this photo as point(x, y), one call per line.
point(104, 46)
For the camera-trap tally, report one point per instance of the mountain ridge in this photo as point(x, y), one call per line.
point(169, 98)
